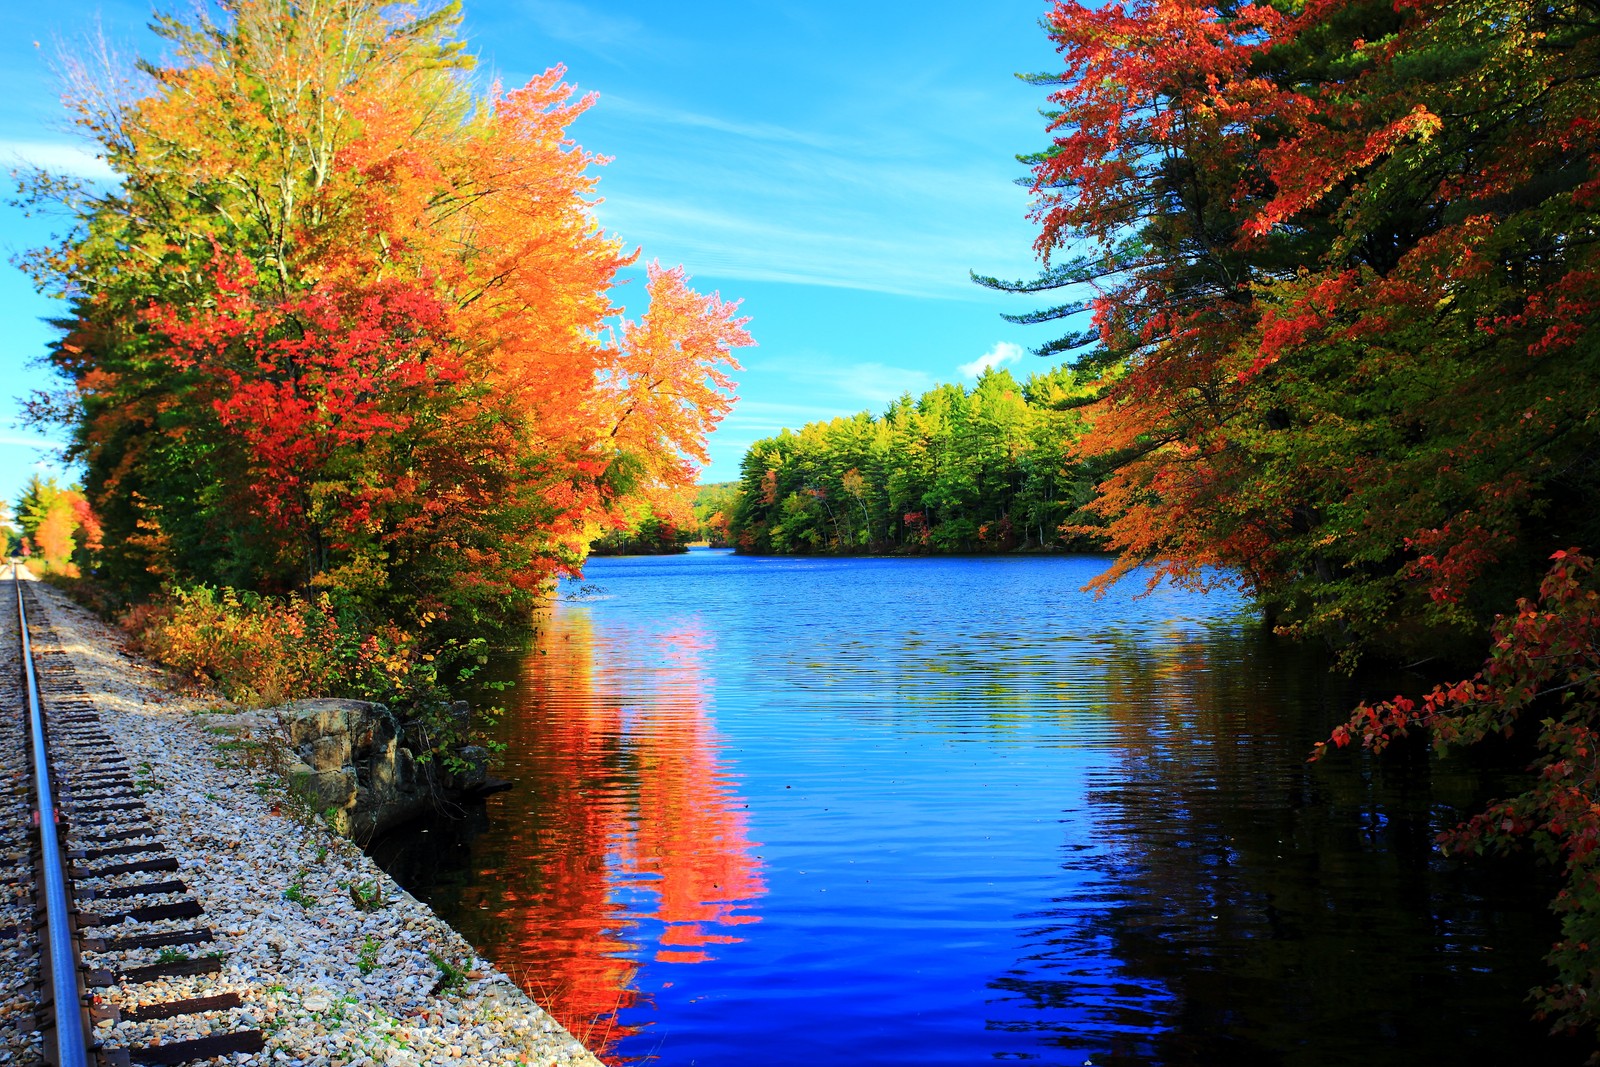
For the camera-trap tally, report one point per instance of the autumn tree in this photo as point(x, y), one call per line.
point(1341, 256)
point(347, 322)
point(714, 504)
point(58, 527)
point(662, 525)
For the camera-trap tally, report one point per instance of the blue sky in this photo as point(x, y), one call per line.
point(838, 166)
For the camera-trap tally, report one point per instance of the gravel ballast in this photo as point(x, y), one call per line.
point(328, 982)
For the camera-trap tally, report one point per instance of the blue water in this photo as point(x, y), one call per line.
point(946, 811)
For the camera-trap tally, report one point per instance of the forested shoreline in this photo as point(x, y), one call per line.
point(957, 470)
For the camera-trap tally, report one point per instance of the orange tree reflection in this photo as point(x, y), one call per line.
point(640, 848)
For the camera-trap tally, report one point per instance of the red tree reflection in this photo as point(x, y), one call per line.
point(637, 848)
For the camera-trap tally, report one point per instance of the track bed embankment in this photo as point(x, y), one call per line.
point(318, 949)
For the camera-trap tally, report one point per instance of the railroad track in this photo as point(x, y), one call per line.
point(104, 888)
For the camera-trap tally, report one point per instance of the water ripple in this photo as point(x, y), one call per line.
point(791, 811)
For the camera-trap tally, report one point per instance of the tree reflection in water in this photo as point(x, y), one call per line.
point(1234, 905)
point(624, 839)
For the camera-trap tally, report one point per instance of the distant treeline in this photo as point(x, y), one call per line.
point(673, 523)
point(990, 469)
point(652, 532)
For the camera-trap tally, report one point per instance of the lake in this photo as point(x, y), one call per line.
point(796, 811)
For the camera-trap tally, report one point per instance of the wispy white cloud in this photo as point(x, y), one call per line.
point(866, 386)
point(29, 440)
point(56, 158)
point(854, 386)
point(590, 26)
point(753, 419)
point(759, 131)
point(742, 198)
point(878, 383)
point(818, 244)
point(769, 407)
point(1002, 353)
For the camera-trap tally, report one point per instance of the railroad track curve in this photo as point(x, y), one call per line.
point(102, 893)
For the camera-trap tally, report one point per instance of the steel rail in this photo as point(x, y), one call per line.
point(71, 1041)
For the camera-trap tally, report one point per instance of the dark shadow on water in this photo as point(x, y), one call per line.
point(432, 855)
point(1247, 908)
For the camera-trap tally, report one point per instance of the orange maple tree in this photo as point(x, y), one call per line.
point(59, 529)
point(348, 323)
